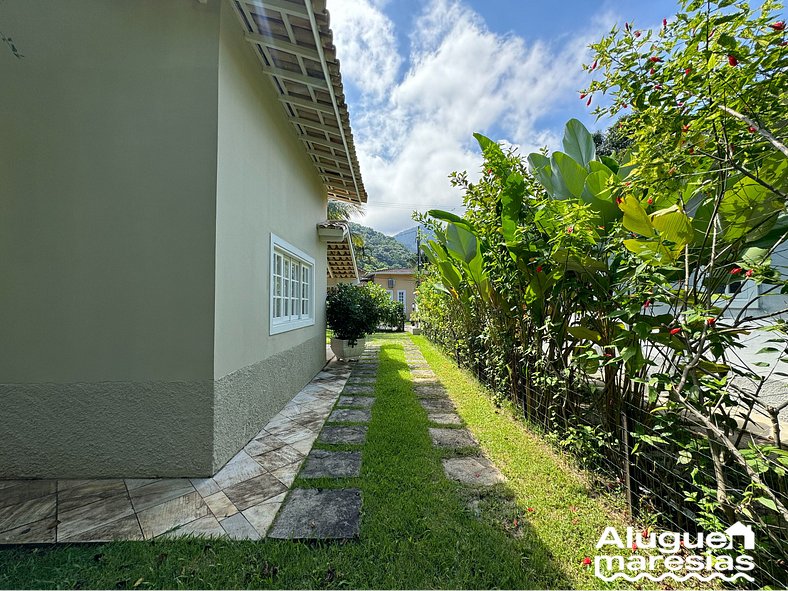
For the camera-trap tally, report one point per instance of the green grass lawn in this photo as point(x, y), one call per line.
point(418, 530)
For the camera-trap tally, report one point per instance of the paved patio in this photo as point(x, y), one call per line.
point(240, 501)
point(250, 497)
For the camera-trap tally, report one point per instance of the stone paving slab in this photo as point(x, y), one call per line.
point(473, 470)
point(354, 434)
point(350, 416)
point(444, 418)
point(319, 514)
point(332, 464)
point(430, 391)
point(366, 390)
point(452, 437)
point(437, 404)
point(364, 402)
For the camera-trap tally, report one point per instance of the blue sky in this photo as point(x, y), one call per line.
point(422, 75)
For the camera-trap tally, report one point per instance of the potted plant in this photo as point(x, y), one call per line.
point(352, 314)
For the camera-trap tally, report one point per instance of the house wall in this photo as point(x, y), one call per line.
point(107, 221)
point(265, 183)
point(406, 282)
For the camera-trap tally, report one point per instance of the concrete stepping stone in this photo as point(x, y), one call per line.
point(452, 437)
point(359, 389)
point(437, 404)
point(332, 464)
point(342, 415)
point(356, 401)
point(472, 470)
point(343, 435)
point(319, 514)
point(444, 418)
point(430, 391)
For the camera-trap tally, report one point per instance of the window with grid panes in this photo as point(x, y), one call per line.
point(292, 287)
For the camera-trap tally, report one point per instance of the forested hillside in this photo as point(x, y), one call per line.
point(380, 251)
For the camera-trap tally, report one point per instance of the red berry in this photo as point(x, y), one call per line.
point(657, 87)
point(675, 331)
point(634, 546)
point(688, 71)
point(711, 321)
point(749, 273)
point(778, 26)
point(664, 23)
point(647, 303)
point(637, 33)
point(732, 61)
point(685, 128)
point(593, 66)
point(531, 509)
point(586, 561)
point(751, 129)
point(539, 269)
point(654, 59)
point(651, 71)
point(691, 150)
point(583, 95)
point(650, 201)
point(588, 102)
point(570, 229)
point(735, 270)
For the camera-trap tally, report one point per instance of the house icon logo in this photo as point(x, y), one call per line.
point(744, 532)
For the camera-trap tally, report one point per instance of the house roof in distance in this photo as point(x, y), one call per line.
point(294, 44)
point(393, 271)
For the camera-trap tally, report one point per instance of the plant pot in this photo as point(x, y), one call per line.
point(342, 350)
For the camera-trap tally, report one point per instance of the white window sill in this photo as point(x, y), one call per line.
point(280, 327)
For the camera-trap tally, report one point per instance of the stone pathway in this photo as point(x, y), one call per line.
point(239, 502)
point(323, 513)
point(446, 431)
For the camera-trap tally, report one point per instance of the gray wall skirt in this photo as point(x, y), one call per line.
point(247, 398)
point(146, 430)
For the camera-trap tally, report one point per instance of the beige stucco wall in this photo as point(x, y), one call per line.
point(139, 183)
point(406, 282)
point(266, 183)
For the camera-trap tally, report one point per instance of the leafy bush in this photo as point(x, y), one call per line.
point(351, 312)
point(391, 314)
point(597, 291)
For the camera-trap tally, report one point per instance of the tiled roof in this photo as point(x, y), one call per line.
point(294, 43)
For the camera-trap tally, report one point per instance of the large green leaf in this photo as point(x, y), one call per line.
point(450, 274)
point(461, 243)
point(673, 225)
point(748, 209)
point(447, 216)
point(598, 194)
point(651, 252)
point(581, 332)
point(635, 217)
point(540, 167)
point(572, 174)
point(511, 204)
point(488, 146)
point(579, 143)
point(429, 253)
point(775, 233)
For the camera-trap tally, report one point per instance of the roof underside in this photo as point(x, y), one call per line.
point(340, 255)
point(294, 43)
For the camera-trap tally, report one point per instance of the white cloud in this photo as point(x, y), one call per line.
point(413, 128)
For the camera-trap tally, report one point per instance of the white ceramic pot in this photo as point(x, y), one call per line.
point(343, 351)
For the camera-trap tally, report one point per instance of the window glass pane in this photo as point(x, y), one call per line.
point(277, 307)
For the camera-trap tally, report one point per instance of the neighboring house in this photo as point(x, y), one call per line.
point(400, 283)
point(165, 166)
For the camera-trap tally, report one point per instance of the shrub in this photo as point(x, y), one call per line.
point(351, 312)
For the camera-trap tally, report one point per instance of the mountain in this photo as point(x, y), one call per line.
point(407, 238)
point(380, 251)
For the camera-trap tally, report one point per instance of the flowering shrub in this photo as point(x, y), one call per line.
point(598, 292)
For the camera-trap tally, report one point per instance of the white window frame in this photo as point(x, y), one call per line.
point(305, 314)
point(404, 294)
